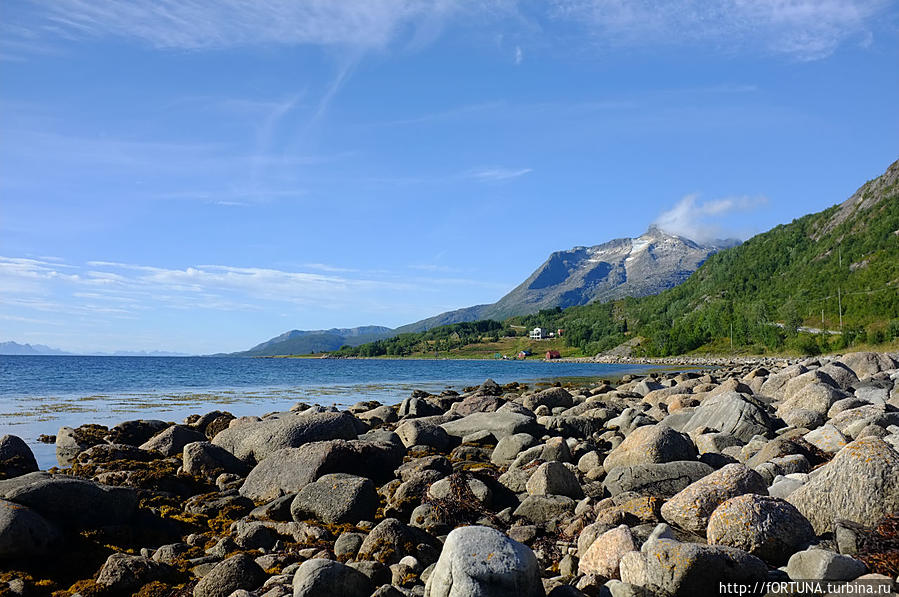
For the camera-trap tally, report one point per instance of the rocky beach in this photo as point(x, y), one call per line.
point(742, 478)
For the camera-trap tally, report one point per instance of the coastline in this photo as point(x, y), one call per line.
point(382, 493)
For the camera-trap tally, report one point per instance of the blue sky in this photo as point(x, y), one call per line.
point(201, 176)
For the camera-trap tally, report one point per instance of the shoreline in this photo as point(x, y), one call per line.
point(383, 493)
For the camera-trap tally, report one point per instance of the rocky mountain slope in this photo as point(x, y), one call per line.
point(309, 341)
point(624, 267)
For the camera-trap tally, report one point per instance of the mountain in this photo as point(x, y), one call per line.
point(14, 348)
point(838, 268)
point(624, 267)
point(312, 341)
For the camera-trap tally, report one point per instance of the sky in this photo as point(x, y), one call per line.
point(199, 176)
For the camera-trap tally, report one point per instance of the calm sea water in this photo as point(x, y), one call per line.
point(39, 394)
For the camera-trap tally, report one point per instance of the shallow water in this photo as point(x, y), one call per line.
point(39, 394)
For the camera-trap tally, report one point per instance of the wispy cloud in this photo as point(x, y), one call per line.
point(519, 55)
point(706, 220)
point(497, 174)
point(804, 29)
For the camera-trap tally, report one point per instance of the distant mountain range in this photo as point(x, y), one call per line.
point(624, 267)
point(14, 349)
point(310, 341)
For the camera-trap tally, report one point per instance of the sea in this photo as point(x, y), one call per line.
point(40, 394)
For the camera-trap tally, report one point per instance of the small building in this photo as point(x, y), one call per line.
point(537, 334)
point(524, 354)
point(552, 354)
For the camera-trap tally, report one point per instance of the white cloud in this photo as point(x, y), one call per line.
point(704, 221)
point(496, 174)
point(519, 55)
point(804, 29)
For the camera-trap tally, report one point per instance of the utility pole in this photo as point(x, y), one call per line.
point(840, 303)
point(822, 319)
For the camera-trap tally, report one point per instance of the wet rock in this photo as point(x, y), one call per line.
point(651, 444)
point(604, 554)
point(821, 564)
point(291, 469)
point(660, 480)
point(336, 498)
point(16, 457)
point(134, 433)
point(71, 502)
point(70, 442)
point(205, 459)
point(860, 484)
point(237, 572)
point(691, 508)
point(24, 533)
point(172, 440)
point(255, 441)
point(554, 478)
point(479, 561)
point(769, 528)
point(327, 578)
point(673, 568)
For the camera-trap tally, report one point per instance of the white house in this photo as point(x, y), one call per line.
point(537, 334)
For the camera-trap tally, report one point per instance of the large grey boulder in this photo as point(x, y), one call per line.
point(691, 508)
point(668, 567)
point(866, 364)
point(661, 480)
point(253, 442)
point(540, 509)
point(122, 574)
point(336, 498)
point(71, 502)
point(290, 469)
point(390, 540)
point(731, 413)
point(478, 561)
point(604, 554)
point(509, 447)
point(816, 397)
point(172, 440)
point(24, 533)
point(136, 432)
point(550, 398)
point(842, 375)
point(822, 564)
point(16, 457)
point(500, 423)
point(237, 572)
point(205, 459)
point(651, 444)
point(860, 484)
point(766, 527)
point(420, 433)
point(327, 578)
point(554, 478)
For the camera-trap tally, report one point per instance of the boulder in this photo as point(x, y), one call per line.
point(477, 403)
point(16, 457)
point(509, 447)
point(122, 573)
point(419, 433)
point(822, 564)
point(71, 502)
point(24, 533)
point(478, 561)
point(134, 433)
point(866, 364)
point(390, 540)
point(554, 478)
point(336, 498)
point(290, 469)
point(550, 398)
point(605, 553)
point(815, 397)
point(205, 459)
point(255, 441)
point(540, 509)
point(172, 440)
point(70, 442)
point(327, 578)
point(767, 527)
point(860, 484)
point(731, 413)
point(842, 375)
point(651, 444)
point(669, 567)
point(827, 439)
point(500, 423)
point(237, 572)
point(691, 508)
point(660, 480)
point(443, 489)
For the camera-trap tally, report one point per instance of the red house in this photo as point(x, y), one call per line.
point(552, 354)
